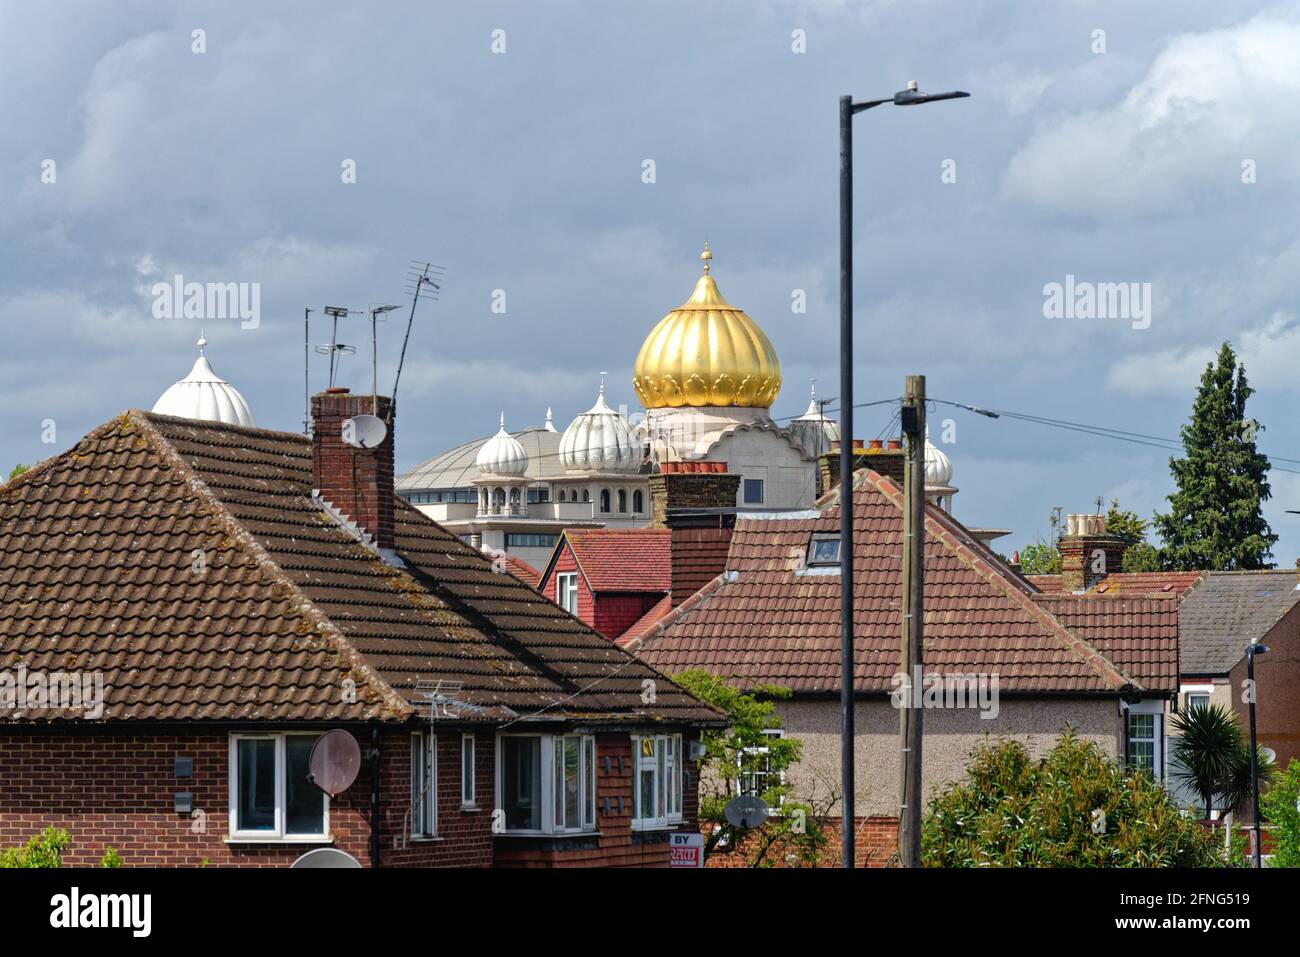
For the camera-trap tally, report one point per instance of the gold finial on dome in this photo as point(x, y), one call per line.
point(706, 352)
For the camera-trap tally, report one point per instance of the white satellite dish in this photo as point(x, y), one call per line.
point(1269, 755)
point(364, 431)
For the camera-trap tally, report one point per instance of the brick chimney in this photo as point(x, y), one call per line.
point(889, 462)
point(1088, 553)
point(699, 510)
point(357, 483)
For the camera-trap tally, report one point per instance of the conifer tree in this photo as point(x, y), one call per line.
point(1215, 519)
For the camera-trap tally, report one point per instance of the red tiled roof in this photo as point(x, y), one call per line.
point(768, 618)
point(1048, 584)
point(622, 559)
point(1136, 634)
point(97, 569)
point(1151, 584)
point(525, 572)
point(642, 626)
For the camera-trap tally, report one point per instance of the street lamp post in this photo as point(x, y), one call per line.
point(1251, 652)
point(908, 97)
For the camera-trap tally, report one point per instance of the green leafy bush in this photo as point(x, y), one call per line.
point(111, 858)
point(1073, 808)
point(43, 850)
point(1278, 806)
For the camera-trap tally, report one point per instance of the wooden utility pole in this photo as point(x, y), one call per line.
point(910, 714)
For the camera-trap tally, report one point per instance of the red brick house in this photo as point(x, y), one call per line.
point(1105, 666)
point(609, 578)
point(187, 605)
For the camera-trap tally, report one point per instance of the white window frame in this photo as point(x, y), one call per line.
point(768, 773)
point(550, 811)
point(277, 834)
point(467, 771)
point(668, 782)
point(566, 587)
point(423, 807)
point(1156, 709)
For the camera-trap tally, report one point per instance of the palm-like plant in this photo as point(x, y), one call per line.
point(1212, 757)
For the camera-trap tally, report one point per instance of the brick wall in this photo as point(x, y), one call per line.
point(887, 462)
point(564, 563)
point(1087, 559)
point(616, 612)
point(117, 789)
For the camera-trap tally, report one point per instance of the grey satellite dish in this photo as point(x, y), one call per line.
point(1269, 755)
point(325, 857)
point(746, 811)
point(364, 431)
point(334, 762)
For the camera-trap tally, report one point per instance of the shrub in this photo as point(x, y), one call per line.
point(42, 850)
point(1278, 806)
point(1073, 808)
point(111, 858)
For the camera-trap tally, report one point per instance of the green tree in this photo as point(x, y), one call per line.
point(1141, 557)
point(743, 758)
point(1215, 519)
point(111, 858)
point(1075, 807)
point(1210, 754)
point(1040, 559)
point(1125, 525)
point(1280, 806)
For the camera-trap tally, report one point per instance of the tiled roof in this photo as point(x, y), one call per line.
point(525, 572)
point(622, 559)
point(1229, 610)
point(98, 553)
point(1138, 635)
point(1048, 584)
point(1151, 584)
point(642, 626)
point(770, 619)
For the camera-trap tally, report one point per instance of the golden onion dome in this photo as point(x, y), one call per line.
point(706, 353)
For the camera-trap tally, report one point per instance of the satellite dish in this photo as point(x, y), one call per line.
point(1269, 755)
point(746, 811)
point(364, 431)
point(334, 762)
point(325, 857)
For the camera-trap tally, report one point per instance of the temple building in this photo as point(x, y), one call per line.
point(205, 395)
point(707, 376)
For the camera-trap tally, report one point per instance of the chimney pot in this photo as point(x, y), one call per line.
point(895, 443)
point(876, 444)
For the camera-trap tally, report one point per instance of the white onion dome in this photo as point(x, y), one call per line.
point(813, 430)
point(205, 395)
point(600, 440)
point(502, 454)
point(938, 470)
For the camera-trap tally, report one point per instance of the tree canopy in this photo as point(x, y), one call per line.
point(1215, 519)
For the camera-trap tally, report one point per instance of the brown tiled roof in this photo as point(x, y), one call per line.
point(1138, 635)
point(767, 618)
point(97, 553)
point(620, 559)
point(1151, 584)
point(642, 626)
point(525, 572)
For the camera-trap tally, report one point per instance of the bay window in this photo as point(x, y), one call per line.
point(547, 783)
point(270, 796)
point(657, 780)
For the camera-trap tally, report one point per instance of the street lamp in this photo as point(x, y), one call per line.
point(911, 96)
point(1251, 651)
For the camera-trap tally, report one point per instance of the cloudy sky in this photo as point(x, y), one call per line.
point(1104, 140)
